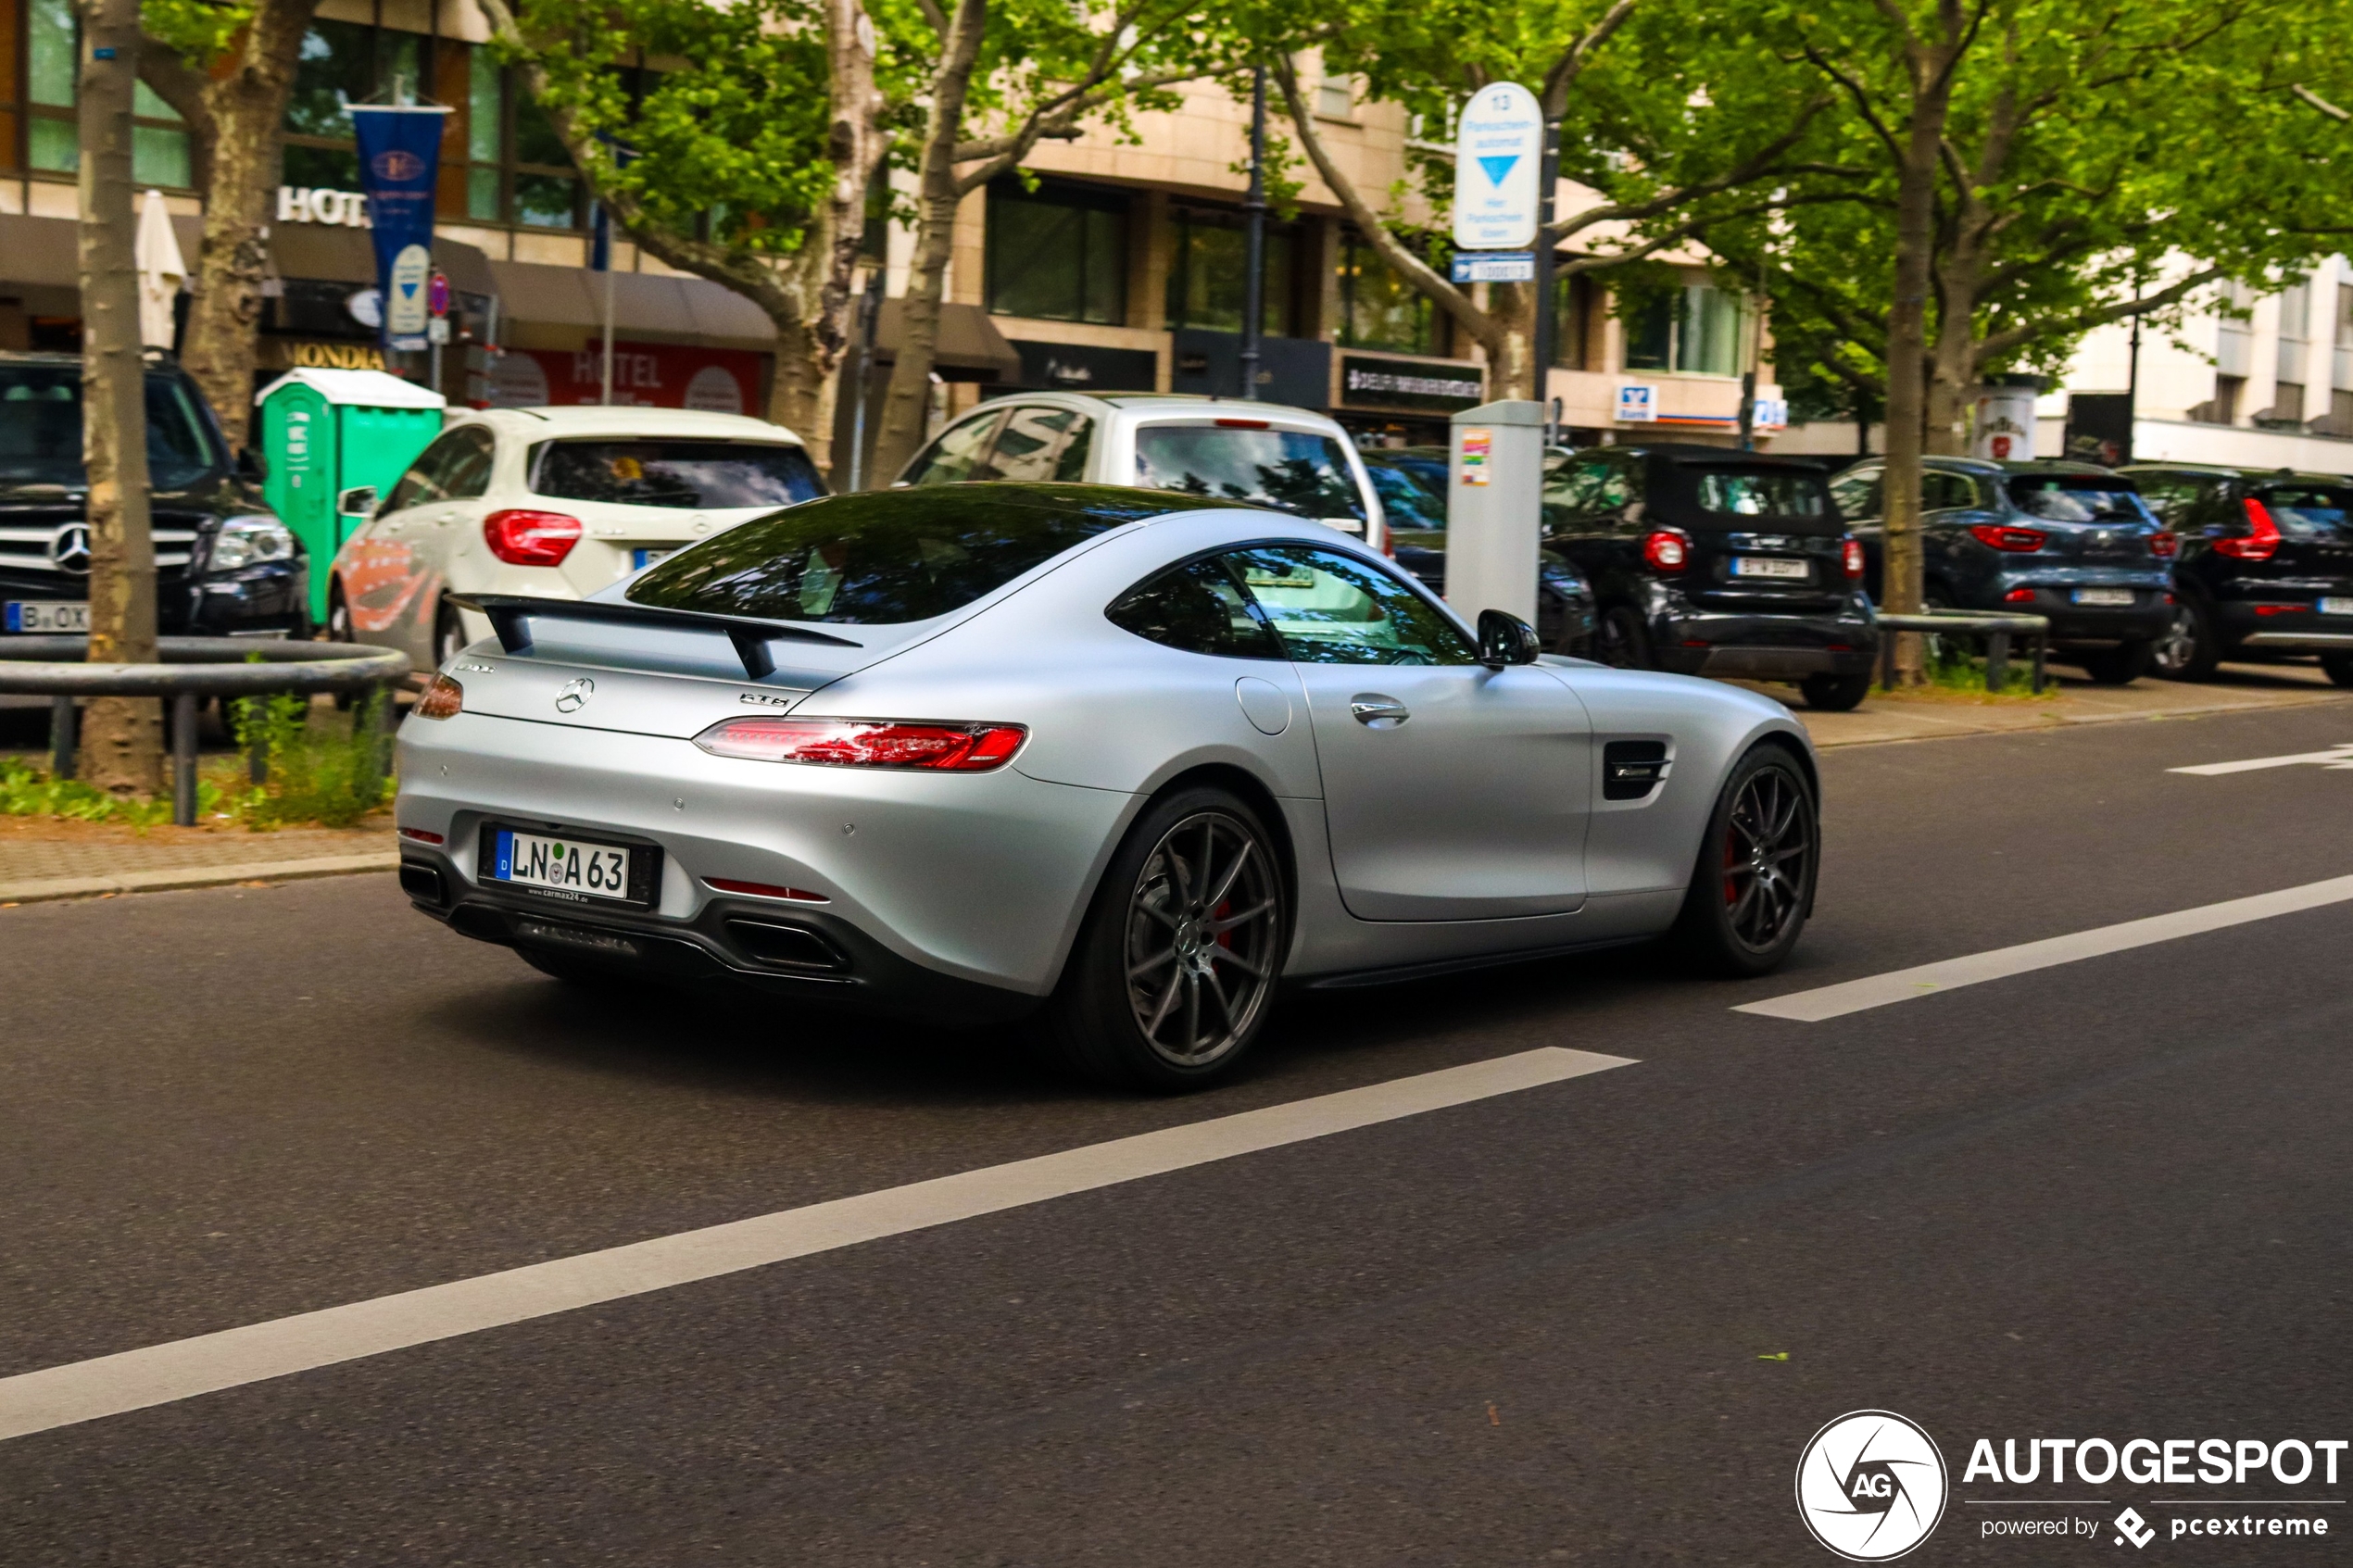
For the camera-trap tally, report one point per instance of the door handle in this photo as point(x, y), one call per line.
point(1375, 711)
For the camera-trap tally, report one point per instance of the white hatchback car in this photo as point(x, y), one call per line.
point(553, 503)
point(1262, 454)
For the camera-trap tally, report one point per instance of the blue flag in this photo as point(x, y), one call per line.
point(399, 165)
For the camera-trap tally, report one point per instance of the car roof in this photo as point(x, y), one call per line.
point(1997, 467)
point(549, 422)
point(2220, 470)
point(1112, 503)
point(1162, 403)
point(1701, 452)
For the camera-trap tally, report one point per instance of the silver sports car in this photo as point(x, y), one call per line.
point(1115, 761)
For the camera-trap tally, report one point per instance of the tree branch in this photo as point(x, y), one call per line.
point(1994, 345)
point(2317, 102)
point(1566, 69)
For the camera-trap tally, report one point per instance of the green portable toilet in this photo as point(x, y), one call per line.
point(326, 431)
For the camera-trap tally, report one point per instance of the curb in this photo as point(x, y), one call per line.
point(47, 889)
point(2070, 720)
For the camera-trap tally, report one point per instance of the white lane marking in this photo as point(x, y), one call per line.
point(1878, 990)
point(2336, 756)
point(60, 1395)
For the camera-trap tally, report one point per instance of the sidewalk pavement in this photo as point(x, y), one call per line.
point(43, 858)
point(2237, 688)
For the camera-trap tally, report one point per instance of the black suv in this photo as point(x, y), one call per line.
point(224, 565)
point(1706, 560)
point(2267, 565)
point(1411, 482)
point(2069, 540)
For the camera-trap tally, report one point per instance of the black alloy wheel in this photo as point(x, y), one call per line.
point(2120, 665)
point(1173, 975)
point(1753, 885)
point(1621, 641)
point(2188, 650)
point(2338, 667)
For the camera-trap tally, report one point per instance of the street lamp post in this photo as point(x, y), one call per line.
point(1254, 252)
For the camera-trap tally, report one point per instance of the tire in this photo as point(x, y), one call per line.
point(1621, 640)
point(1135, 1003)
point(1836, 694)
point(2338, 667)
point(2120, 665)
point(448, 635)
point(2189, 650)
point(1746, 906)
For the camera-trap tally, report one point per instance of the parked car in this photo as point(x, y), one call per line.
point(225, 565)
point(1411, 482)
point(1265, 454)
point(1709, 561)
point(2266, 566)
point(2069, 540)
point(554, 502)
point(1117, 762)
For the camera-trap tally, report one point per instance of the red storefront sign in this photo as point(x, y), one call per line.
point(644, 375)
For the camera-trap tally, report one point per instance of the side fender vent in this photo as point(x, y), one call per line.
point(1632, 769)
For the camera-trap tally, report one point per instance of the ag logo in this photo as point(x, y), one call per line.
point(575, 694)
point(1870, 1486)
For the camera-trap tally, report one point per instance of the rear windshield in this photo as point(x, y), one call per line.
point(1413, 493)
point(2305, 512)
point(674, 473)
point(1791, 500)
point(1290, 470)
point(884, 556)
point(2069, 499)
point(40, 428)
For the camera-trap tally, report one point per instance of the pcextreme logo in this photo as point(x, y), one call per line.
point(1871, 1485)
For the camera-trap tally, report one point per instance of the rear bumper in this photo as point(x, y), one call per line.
point(1766, 648)
point(2147, 618)
point(2298, 625)
point(2316, 642)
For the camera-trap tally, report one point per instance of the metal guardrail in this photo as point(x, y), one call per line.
point(1998, 628)
point(193, 668)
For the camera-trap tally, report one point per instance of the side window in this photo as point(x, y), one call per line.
point(2170, 495)
point(427, 480)
point(1071, 467)
point(953, 456)
point(1857, 495)
point(1030, 445)
point(1619, 492)
point(468, 474)
point(1198, 607)
point(1942, 492)
point(1330, 608)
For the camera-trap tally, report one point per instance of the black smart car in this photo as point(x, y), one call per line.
point(224, 565)
point(1709, 561)
point(2266, 566)
point(2069, 540)
point(1412, 485)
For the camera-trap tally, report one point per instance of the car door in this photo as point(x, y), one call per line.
point(1451, 791)
point(1949, 504)
point(430, 528)
point(1859, 494)
point(381, 577)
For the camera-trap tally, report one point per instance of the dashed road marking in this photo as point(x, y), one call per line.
point(2336, 756)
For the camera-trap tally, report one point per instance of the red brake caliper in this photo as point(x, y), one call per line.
point(1731, 859)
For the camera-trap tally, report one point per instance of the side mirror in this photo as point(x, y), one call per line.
point(1505, 638)
point(359, 500)
point(250, 466)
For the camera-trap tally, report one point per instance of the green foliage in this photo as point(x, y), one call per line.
point(323, 766)
point(29, 791)
point(198, 31)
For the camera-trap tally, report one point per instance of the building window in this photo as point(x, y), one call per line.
point(1058, 253)
point(1208, 270)
point(1699, 330)
point(1574, 301)
point(158, 138)
point(1378, 307)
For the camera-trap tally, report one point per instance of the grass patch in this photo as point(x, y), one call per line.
point(29, 791)
point(1956, 674)
point(325, 766)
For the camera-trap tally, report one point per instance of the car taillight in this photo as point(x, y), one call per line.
point(2001, 536)
point(2019, 597)
point(1666, 549)
point(866, 743)
point(442, 699)
point(529, 538)
point(1850, 555)
point(2261, 542)
point(2165, 544)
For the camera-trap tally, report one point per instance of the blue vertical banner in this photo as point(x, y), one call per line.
point(399, 166)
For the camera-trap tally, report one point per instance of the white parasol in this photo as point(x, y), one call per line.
point(163, 271)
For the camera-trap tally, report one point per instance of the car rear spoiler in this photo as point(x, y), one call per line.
point(512, 614)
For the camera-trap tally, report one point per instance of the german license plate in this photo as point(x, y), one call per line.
point(2104, 595)
point(645, 555)
point(2336, 607)
point(1766, 565)
point(575, 870)
point(34, 615)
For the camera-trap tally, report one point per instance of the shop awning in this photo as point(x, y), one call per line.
point(971, 348)
point(40, 252)
point(644, 303)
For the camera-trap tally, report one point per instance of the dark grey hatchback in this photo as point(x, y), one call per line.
point(2068, 541)
point(1709, 561)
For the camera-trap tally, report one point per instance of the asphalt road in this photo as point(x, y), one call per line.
point(2106, 1197)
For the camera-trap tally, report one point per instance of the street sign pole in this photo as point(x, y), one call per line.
point(1254, 254)
point(1547, 317)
